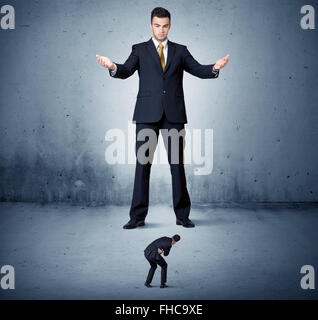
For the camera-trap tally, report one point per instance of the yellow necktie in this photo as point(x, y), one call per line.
point(161, 56)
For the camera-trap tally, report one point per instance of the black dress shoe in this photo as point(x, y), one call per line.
point(148, 285)
point(186, 223)
point(133, 224)
point(163, 286)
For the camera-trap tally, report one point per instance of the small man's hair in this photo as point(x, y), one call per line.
point(176, 237)
point(160, 13)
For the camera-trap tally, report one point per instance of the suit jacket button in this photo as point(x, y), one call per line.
point(164, 91)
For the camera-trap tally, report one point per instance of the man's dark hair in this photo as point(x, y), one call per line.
point(176, 237)
point(160, 13)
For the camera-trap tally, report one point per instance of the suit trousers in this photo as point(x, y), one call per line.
point(154, 261)
point(175, 151)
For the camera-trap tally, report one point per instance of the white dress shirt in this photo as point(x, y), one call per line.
point(165, 47)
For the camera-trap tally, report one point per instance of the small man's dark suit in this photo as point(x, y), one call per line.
point(154, 258)
point(160, 105)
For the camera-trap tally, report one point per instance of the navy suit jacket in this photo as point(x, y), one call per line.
point(164, 243)
point(161, 90)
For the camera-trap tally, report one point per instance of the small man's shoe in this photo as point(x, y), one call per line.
point(148, 285)
point(163, 285)
point(133, 224)
point(186, 223)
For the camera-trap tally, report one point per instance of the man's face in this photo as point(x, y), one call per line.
point(160, 28)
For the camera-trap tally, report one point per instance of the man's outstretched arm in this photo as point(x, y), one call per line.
point(121, 71)
point(208, 71)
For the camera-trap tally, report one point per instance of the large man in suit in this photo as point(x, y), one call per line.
point(153, 255)
point(160, 105)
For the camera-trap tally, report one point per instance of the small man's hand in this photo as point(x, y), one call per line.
point(221, 63)
point(105, 62)
point(160, 251)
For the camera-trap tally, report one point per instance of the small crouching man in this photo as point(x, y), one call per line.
point(153, 255)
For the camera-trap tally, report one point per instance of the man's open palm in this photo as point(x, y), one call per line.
point(221, 63)
point(105, 62)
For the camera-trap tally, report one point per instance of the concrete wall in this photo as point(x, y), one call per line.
point(57, 103)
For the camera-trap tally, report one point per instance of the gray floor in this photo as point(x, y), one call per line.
point(235, 252)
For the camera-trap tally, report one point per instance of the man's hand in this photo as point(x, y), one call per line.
point(221, 63)
point(160, 251)
point(105, 62)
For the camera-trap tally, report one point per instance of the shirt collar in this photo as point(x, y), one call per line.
point(156, 42)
